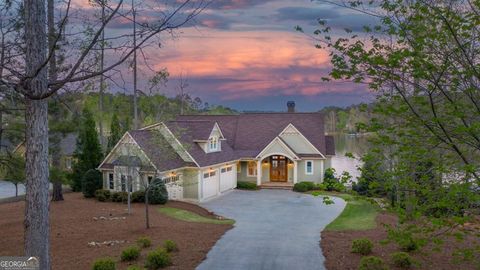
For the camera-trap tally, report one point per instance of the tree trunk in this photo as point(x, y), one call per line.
point(37, 232)
point(135, 105)
point(57, 194)
point(102, 80)
point(16, 189)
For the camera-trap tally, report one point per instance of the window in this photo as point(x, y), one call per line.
point(226, 169)
point(149, 179)
point(309, 167)
point(123, 182)
point(229, 168)
point(171, 179)
point(111, 183)
point(252, 168)
point(209, 174)
point(213, 144)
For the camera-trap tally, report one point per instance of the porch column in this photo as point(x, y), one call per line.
point(295, 172)
point(259, 172)
point(322, 172)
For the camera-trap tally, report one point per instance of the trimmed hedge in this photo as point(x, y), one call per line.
point(247, 185)
point(120, 196)
point(362, 246)
point(102, 195)
point(304, 186)
point(138, 196)
point(104, 264)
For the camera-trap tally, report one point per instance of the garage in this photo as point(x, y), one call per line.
point(174, 187)
point(210, 184)
point(227, 178)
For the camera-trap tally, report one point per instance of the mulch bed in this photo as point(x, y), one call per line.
point(336, 246)
point(73, 227)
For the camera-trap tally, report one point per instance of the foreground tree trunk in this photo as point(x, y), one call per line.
point(37, 231)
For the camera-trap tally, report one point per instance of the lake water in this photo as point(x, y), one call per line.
point(344, 143)
point(7, 189)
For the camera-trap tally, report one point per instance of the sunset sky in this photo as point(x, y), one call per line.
point(245, 54)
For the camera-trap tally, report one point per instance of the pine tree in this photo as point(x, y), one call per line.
point(115, 133)
point(88, 153)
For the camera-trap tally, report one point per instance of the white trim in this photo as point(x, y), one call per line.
point(291, 125)
point(179, 143)
point(295, 172)
point(292, 155)
point(111, 151)
point(219, 130)
point(151, 126)
point(306, 167)
point(259, 172)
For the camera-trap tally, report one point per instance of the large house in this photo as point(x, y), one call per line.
point(202, 156)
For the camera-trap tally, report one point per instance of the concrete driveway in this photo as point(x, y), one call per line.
point(274, 230)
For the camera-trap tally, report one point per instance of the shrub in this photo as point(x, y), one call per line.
point(362, 246)
point(91, 181)
point(158, 194)
point(134, 267)
point(300, 187)
point(372, 263)
point(121, 196)
point(408, 244)
point(170, 246)
point(309, 185)
point(130, 254)
point(102, 195)
point(402, 260)
point(104, 264)
point(320, 186)
point(246, 185)
point(144, 242)
point(158, 259)
point(138, 196)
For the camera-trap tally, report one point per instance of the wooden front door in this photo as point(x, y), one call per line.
point(278, 169)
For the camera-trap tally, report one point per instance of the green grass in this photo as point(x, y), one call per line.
point(188, 216)
point(358, 214)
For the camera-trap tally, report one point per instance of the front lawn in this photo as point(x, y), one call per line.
point(188, 216)
point(359, 214)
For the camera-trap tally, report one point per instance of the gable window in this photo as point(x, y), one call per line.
point(213, 144)
point(309, 167)
point(110, 181)
point(252, 168)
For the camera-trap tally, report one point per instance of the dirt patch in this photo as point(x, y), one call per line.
point(73, 226)
point(336, 246)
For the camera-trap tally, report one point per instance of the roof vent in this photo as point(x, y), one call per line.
point(291, 106)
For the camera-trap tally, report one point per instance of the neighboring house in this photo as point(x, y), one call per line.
point(202, 156)
point(67, 146)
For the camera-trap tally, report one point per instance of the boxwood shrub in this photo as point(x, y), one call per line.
point(138, 196)
point(247, 185)
point(130, 254)
point(104, 264)
point(102, 195)
point(362, 246)
point(372, 263)
point(144, 242)
point(157, 259)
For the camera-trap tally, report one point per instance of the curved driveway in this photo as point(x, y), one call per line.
point(274, 230)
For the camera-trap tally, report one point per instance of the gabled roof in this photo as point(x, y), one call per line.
point(254, 131)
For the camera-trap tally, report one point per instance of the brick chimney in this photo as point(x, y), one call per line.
point(291, 106)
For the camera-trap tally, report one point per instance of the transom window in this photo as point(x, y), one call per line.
point(309, 167)
point(252, 168)
point(171, 179)
point(226, 169)
point(209, 174)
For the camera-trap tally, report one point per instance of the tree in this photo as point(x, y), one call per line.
point(13, 170)
point(115, 133)
point(88, 154)
point(91, 181)
point(27, 74)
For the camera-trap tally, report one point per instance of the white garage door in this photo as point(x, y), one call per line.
point(227, 178)
point(210, 184)
point(174, 187)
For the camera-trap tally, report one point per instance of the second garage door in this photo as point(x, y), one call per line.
point(227, 178)
point(210, 184)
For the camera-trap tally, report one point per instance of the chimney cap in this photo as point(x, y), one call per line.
point(291, 106)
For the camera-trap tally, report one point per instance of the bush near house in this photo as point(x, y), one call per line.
point(372, 263)
point(402, 260)
point(138, 196)
point(157, 259)
point(91, 181)
point(246, 185)
point(120, 196)
point(104, 264)
point(130, 254)
point(362, 246)
point(304, 186)
point(158, 194)
point(102, 195)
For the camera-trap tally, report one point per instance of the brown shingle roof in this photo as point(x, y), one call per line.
point(158, 150)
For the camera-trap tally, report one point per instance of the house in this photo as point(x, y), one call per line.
point(66, 145)
point(202, 156)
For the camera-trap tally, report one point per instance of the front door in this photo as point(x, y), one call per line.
point(278, 169)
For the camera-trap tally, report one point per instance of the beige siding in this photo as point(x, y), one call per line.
point(242, 176)
point(190, 183)
point(317, 175)
point(298, 143)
